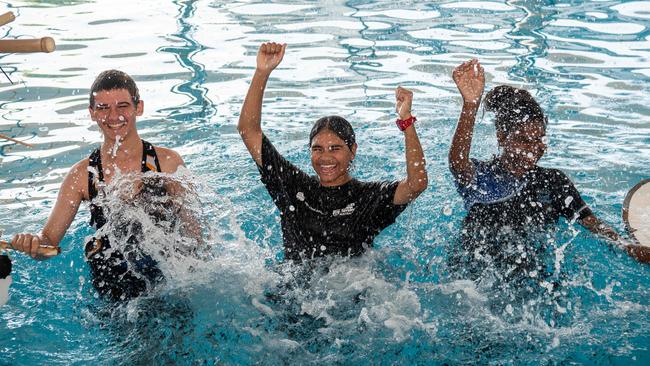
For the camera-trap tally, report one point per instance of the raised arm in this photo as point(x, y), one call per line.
point(600, 228)
point(470, 80)
point(269, 57)
point(73, 190)
point(416, 171)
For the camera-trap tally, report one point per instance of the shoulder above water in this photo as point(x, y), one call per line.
point(169, 159)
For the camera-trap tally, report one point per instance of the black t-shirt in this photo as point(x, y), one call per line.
point(539, 198)
point(317, 220)
point(509, 219)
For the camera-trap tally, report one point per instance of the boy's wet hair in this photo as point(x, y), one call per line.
point(111, 80)
point(513, 107)
point(339, 125)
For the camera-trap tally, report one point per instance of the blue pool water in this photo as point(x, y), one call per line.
point(587, 62)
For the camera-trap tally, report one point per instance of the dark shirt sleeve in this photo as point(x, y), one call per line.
point(277, 173)
point(383, 210)
point(567, 198)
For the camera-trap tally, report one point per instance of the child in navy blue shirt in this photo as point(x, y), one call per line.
point(510, 195)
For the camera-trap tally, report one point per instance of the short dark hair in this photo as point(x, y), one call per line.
point(513, 107)
point(339, 125)
point(111, 80)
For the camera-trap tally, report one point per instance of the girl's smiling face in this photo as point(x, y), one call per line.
point(330, 158)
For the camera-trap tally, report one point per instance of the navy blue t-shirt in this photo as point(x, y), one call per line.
point(540, 197)
point(508, 218)
point(318, 221)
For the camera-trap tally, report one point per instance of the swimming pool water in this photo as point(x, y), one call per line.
point(586, 62)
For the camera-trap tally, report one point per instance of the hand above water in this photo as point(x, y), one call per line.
point(470, 80)
point(404, 99)
point(34, 245)
point(269, 56)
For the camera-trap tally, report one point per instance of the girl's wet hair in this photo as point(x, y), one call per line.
point(111, 80)
point(513, 107)
point(339, 125)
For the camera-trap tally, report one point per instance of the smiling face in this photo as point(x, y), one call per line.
point(115, 113)
point(524, 146)
point(330, 158)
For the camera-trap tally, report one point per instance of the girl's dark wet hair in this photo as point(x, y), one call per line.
point(513, 107)
point(339, 125)
point(111, 80)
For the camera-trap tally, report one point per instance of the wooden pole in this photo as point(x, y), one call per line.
point(6, 18)
point(45, 251)
point(45, 44)
point(14, 140)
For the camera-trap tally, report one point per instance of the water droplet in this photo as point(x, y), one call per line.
point(568, 200)
point(447, 211)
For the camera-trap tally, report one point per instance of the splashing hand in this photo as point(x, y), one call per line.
point(269, 56)
point(470, 80)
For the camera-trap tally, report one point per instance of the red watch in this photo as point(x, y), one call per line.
point(403, 124)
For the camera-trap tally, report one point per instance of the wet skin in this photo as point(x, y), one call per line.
point(523, 147)
point(330, 158)
point(115, 113)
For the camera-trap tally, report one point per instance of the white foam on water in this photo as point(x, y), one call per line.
point(372, 301)
point(467, 287)
point(189, 258)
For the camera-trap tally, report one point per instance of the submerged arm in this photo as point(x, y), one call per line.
point(470, 80)
point(171, 162)
point(250, 120)
point(191, 226)
point(416, 172)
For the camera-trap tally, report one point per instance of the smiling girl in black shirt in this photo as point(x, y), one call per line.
point(331, 213)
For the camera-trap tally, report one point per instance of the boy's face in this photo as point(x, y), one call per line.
point(525, 145)
point(115, 113)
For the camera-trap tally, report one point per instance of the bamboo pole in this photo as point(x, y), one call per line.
point(44, 251)
point(14, 140)
point(6, 18)
point(45, 44)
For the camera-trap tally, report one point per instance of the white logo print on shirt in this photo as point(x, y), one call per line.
point(346, 211)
